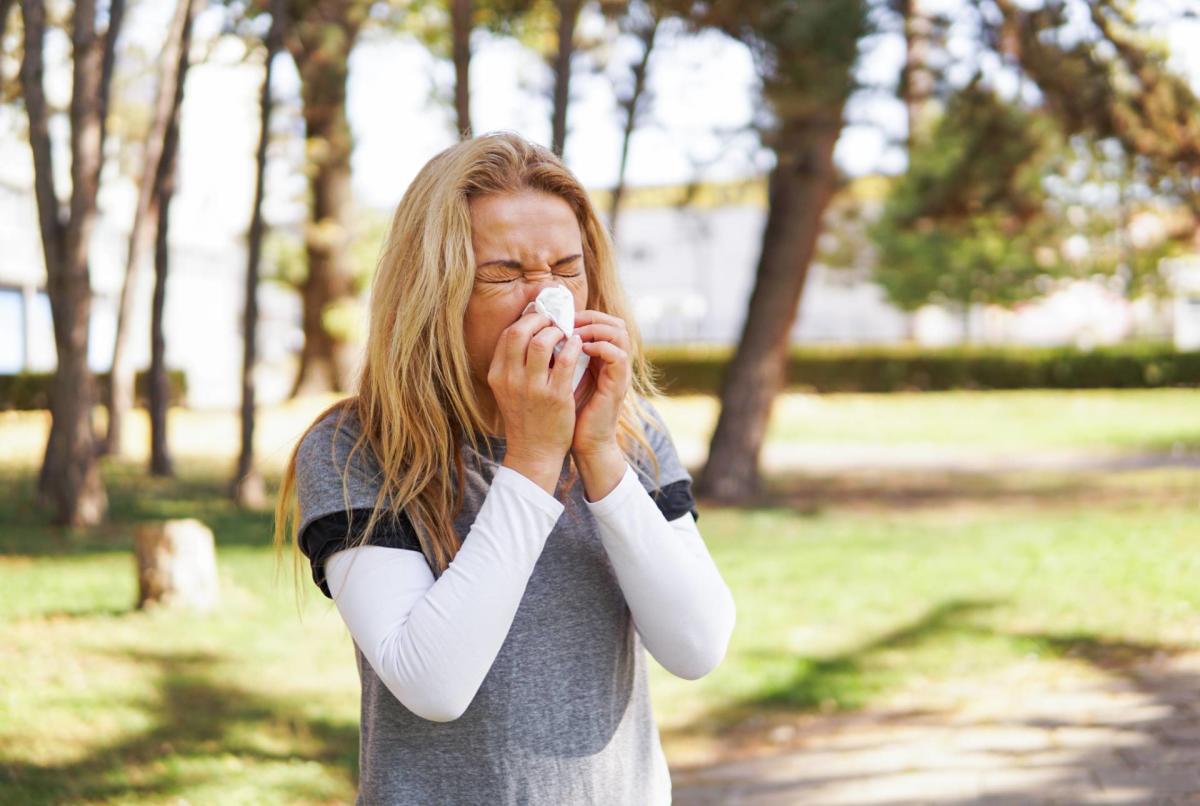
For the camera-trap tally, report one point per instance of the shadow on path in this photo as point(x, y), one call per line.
point(1121, 724)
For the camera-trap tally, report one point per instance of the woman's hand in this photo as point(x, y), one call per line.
point(606, 341)
point(534, 399)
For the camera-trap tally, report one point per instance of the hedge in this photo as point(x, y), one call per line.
point(698, 370)
point(31, 390)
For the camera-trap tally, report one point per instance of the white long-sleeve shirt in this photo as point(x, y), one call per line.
point(432, 642)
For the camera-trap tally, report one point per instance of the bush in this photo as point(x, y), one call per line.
point(698, 370)
point(31, 390)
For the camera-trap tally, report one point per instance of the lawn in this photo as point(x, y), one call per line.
point(849, 589)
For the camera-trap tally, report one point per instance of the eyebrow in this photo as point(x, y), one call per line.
point(516, 264)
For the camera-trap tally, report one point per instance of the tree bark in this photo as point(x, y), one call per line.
point(164, 190)
point(248, 489)
point(141, 235)
point(800, 186)
point(6, 7)
point(568, 16)
point(321, 48)
point(70, 478)
point(159, 392)
point(632, 107)
point(461, 24)
point(917, 80)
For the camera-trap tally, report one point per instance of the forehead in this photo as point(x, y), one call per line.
point(528, 223)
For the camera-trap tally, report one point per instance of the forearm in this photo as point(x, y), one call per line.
point(433, 642)
point(681, 606)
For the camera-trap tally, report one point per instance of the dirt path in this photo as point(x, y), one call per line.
point(1037, 732)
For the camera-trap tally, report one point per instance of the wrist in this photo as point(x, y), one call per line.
point(601, 470)
point(541, 470)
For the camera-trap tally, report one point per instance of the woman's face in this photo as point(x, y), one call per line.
point(523, 242)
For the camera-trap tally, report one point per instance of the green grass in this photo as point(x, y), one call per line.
point(1143, 419)
point(849, 589)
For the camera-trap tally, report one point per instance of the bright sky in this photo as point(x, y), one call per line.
point(703, 88)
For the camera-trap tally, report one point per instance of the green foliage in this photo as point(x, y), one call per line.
point(891, 369)
point(971, 220)
point(804, 51)
point(1113, 82)
point(31, 390)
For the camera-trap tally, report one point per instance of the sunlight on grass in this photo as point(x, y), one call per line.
point(849, 590)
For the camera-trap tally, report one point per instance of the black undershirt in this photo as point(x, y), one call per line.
point(333, 532)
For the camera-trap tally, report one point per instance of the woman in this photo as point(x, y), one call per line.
point(500, 545)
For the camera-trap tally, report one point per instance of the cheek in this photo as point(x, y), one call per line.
point(487, 315)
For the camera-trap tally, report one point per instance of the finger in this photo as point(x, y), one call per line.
point(541, 347)
point(606, 351)
point(513, 343)
point(588, 316)
point(604, 332)
point(563, 371)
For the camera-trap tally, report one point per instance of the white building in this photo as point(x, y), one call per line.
point(688, 272)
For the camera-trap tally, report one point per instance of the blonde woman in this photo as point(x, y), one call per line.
point(500, 544)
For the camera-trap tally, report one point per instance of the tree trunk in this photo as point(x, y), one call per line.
point(322, 51)
point(6, 7)
point(568, 16)
point(917, 81)
point(141, 235)
point(632, 107)
point(461, 23)
point(164, 190)
point(70, 478)
point(159, 392)
point(248, 489)
point(799, 189)
point(176, 565)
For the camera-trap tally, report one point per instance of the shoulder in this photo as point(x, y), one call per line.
point(335, 531)
point(334, 471)
point(670, 484)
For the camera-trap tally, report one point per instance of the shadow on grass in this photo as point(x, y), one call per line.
point(849, 681)
point(1148, 758)
point(198, 725)
point(896, 489)
point(134, 497)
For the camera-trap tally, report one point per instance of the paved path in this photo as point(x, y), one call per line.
point(1039, 732)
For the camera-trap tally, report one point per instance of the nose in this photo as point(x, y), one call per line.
point(539, 282)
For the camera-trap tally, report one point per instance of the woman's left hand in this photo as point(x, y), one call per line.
point(609, 373)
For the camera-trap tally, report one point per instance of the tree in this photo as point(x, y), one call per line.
point(145, 218)
point(642, 21)
point(248, 488)
point(320, 36)
point(971, 221)
point(461, 24)
point(568, 18)
point(805, 53)
point(1113, 83)
point(163, 192)
point(70, 479)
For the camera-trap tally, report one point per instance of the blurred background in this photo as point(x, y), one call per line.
point(921, 280)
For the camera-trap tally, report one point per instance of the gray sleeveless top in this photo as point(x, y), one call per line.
point(564, 715)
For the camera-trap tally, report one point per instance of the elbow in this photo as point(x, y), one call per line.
point(425, 702)
point(437, 711)
point(697, 664)
point(419, 688)
point(704, 649)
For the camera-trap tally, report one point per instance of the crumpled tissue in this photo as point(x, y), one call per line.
point(558, 303)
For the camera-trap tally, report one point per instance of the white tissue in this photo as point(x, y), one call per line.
point(558, 303)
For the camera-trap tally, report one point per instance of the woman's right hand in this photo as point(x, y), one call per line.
point(535, 400)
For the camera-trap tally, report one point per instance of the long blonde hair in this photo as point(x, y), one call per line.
point(415, 402)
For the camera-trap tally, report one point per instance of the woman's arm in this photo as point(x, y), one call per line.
point(433, 642)
point(681, 607)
